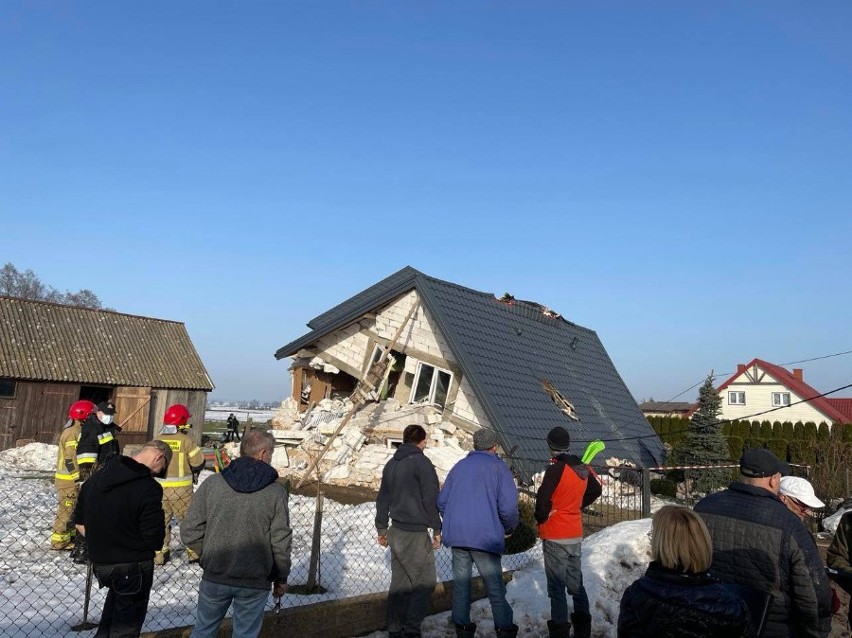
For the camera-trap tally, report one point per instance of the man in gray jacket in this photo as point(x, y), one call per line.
point(408, 496)
point(239, 525)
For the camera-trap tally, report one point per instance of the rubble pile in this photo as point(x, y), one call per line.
point(358, 454)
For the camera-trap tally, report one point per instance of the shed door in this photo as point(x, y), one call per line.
point(131, 407)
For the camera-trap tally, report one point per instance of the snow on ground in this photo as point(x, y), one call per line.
point(29, 459)
point(256, 416)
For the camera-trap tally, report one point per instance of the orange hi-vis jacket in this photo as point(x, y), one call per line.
point(568, 486)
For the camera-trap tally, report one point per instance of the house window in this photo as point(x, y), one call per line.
point(736, 398)
point(7, 389)
point(780, 399)
point(431, 385)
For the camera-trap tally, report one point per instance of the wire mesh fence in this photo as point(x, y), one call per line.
point(43, 593)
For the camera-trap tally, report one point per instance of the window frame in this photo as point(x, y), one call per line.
point(780, 402)
point(735, 394)
point(432, 385)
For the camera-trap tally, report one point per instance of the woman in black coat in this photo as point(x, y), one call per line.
point(677, 597)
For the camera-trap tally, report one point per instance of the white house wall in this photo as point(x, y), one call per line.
point(420, 335)
point(758, 398)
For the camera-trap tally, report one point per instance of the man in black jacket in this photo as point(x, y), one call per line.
point(97, 441)
point(120, 513)
point(408, 496)
point(759, 543)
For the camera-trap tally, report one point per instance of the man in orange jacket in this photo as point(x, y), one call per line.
point(568, 486)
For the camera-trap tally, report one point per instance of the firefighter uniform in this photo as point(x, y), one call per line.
point(67, 484)
point(177, 485)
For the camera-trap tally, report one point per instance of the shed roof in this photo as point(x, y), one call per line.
point(508, 351)
point(42, 341)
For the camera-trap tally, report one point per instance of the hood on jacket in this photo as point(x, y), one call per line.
point(120, 470)
point(405, 450)
point(575, 463)
point(247, 475)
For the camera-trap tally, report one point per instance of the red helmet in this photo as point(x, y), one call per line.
point(177, 415)
point(79, 410)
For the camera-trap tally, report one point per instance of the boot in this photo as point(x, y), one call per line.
point(191, 556)
point(466, 631)
point(80, 554)
point(558, 629)
point(507, 632)
point(162, 557)
point(582, 625)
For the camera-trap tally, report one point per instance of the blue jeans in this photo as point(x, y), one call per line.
point(563, 571)
point(213, 602)
point(491, 571)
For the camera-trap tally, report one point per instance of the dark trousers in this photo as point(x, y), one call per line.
point(412, 582)
point(129, 585)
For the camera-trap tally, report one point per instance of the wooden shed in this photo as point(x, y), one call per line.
point(52, 355)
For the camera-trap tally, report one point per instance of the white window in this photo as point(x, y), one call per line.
point(736, 398)
point(780, 398)
point(431, 385)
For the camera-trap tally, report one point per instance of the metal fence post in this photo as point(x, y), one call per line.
point(646, 492)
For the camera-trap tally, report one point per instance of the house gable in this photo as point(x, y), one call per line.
point(766, 386)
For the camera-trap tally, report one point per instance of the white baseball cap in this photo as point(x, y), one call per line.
point(801, 490)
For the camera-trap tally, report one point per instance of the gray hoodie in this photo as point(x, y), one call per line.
point(239, 525)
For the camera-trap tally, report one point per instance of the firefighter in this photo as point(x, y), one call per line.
point(184, 468)
point(67, 477)
point(97, 440)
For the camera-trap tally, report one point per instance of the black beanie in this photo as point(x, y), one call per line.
point(558, 439)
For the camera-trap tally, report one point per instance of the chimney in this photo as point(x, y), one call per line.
point(797, 374)
point(740, 368)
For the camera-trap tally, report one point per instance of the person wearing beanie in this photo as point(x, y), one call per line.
point(568, 486)
point(479, 503)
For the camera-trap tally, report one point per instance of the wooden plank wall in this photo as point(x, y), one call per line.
point(40, 412)
point(131, 407)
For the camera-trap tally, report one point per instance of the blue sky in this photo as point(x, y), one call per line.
point(673, 175)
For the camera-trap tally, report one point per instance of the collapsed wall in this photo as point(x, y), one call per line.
point(358, 454)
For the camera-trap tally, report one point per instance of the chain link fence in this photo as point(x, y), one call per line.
point(43, 593)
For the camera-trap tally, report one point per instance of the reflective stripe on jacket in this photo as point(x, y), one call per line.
point(67, 468)
point(185, 456)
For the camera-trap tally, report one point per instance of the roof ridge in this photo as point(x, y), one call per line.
point(84, 308)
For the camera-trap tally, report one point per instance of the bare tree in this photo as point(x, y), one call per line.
point(27, 285)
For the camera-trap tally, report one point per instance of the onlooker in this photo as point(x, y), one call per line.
point(121, 515)
point(408, 497)
point(239, 525)
point(840, 557)
point(187, 462)
point(677, 596)
point(479, 503)
point(759, 543)
point(233, 432)
point(799, 497)
point(67, 478)
point(568, 486)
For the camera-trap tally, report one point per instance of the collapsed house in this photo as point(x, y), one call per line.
point(415, 349)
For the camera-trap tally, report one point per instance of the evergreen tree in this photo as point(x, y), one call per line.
point(705, 443)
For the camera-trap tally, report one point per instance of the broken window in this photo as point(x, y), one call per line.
point(561, 402)
point(431, 385)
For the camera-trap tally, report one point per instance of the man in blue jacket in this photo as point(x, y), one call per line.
point(479, 504)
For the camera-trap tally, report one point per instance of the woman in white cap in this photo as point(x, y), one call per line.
point(799, 497)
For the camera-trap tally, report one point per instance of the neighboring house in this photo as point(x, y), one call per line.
point(758, 386)
point(514, 366)
point(52, 355)
point(667, 408)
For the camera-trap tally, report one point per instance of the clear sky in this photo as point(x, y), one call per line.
point(674, 175)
